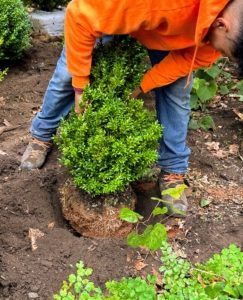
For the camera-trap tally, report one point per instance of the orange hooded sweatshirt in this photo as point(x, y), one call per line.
point(179, 26)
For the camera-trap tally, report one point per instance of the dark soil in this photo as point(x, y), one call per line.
point(32, 200)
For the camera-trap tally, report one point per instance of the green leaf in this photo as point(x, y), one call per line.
point(201, 74)
point(72, 278)
point(206, 90)
point(152, 279)
point(194, 102)
point(213, 291)
point(77, 287)
point(223, 90)
point(240, 289)
point(129, 215)
point(230, 290)
point(193, 124)
point(159, 211)
point(214, 71)
point(240, 85)
point(205, 202)
point(206, 123)
point(134, 239)
point(147, 231)
point(177, 211)
point(154, 240)
point(176, 191)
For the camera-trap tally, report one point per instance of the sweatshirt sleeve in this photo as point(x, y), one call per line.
point(177, 64)
point(86, 20)
point(80, 40)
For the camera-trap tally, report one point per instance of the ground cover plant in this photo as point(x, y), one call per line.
point(113, 142)
point(14, 29)
point(211, 81)
point(220, 278)
point(211, 84)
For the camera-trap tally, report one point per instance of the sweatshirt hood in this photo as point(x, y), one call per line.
point(208, 12)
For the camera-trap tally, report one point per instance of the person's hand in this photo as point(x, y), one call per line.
point(78, 98)
point(136, 92)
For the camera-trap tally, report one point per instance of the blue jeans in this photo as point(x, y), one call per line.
point(172, 106)
point(173, 112)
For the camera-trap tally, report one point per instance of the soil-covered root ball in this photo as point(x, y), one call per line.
point(97, 217)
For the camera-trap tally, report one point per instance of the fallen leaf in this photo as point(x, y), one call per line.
point(205, 202)
point(33, 235)
point(233, 149)
point(212, 146)
point(199, 278)
point(159, 281)
point(188, 192)
point(220, 154)
point(139, 265)
point(50, 225)
point(172, 233)
point(239, 114)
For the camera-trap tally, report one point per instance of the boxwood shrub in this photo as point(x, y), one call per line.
point(114, 141)
point(14, 29)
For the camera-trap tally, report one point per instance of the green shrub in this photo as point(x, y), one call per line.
point(113, 142)
point(47, 5)
point(4, 72)
point(14, 29)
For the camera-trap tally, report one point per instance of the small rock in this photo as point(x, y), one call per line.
point(33, 295)
point(46, 263)
point(34, 288)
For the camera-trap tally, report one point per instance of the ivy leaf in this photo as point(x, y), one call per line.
point(206, 123)
point(176, 191)
point(129, 215)
point(159, 211)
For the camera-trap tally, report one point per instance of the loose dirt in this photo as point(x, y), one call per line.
point(32, 200)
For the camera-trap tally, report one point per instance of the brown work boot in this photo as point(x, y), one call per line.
point(174, 206)
point(35, 155)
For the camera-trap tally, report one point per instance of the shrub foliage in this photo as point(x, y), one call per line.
point(14, 29)
point(113, 142)
point(46, 5)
